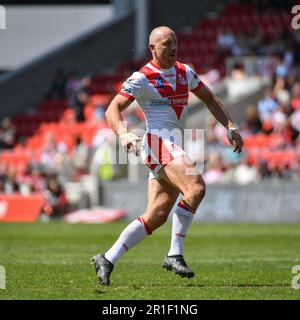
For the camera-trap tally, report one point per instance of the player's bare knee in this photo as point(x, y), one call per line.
point(156, 220)
point(162, 216)
point(195, 193)
point(201, 190)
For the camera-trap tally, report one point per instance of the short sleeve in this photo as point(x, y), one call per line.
point(132, 88)
point(194, 81)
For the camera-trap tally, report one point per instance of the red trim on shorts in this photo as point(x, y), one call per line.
point(159, 149)
point(153, 143)
point(126, 95)
point(160, 144)
point(185, 206)
point(149, 161)
point(149, 144)
point(201, 84)
point(142, 221)
point(164, 153)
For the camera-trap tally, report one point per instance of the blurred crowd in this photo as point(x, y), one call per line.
point(7, 134)
point(276, 116)
point(254, 42)
point(56, 162)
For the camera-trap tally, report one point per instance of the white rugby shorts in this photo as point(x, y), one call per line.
point(156, 152)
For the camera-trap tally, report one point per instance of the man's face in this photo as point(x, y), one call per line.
point(165, 49)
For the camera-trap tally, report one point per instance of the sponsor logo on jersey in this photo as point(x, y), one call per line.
point(170, 101)
point(182, 80)
point(194, 74)
point(159, 82)
point(172, 75)
point(178, 101)
point(159, 102)
point(127, 87)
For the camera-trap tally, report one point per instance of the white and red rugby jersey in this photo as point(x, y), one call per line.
point(162, 95)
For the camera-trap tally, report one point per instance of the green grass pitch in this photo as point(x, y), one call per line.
point(240, 261)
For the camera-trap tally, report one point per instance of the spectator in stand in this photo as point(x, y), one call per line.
point(241, 45)
point(103, 155)
point(263, 170)
point(51, 155)
point(252, 124)
point(267, 126)
point(267, 105)
point(72, 84)
point(281, 67)
point(10, 182)
point(227, 172)
point(3, 170)
point(2, 189)
point(295, 123)
point(289, 54)
point(254, 40)
point(214, 132)
point(283, 98)
point(244, 173)
point(291, 78)
point(58, 86)
point(80, 158)
point(277, 44)
point(80, 98)
point(31, 181)
point(213, 169)
point(281, 74)
point(225, 41)
point(295, 101)
point(37, 180)
point(286, 173)
point(7, 134)
point(55, 199)
point(279, 119)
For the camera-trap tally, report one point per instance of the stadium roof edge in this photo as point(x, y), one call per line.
point(84, 35)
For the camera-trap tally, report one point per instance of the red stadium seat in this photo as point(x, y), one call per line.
point(281, 159)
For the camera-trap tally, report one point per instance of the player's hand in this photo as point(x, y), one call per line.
point(129, 142)
point(235, 139)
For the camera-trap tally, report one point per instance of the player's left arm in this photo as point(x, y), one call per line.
point(216, 107)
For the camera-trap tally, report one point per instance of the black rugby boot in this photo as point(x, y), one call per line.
point(178, 266)
point(103, 268)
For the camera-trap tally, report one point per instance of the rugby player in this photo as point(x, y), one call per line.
point(161, 89)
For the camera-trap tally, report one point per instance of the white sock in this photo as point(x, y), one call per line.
point(181, 220)
point(135, 232)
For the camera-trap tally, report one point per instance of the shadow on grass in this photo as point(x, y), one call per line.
point(99, 291)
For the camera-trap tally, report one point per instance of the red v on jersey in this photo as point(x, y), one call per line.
point(178, 98)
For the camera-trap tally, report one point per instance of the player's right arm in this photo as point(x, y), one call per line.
point(113, 113)
point(131, 89)
point(114, 119)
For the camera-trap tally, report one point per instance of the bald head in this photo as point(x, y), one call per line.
point(159, 33)
point(163, 46)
